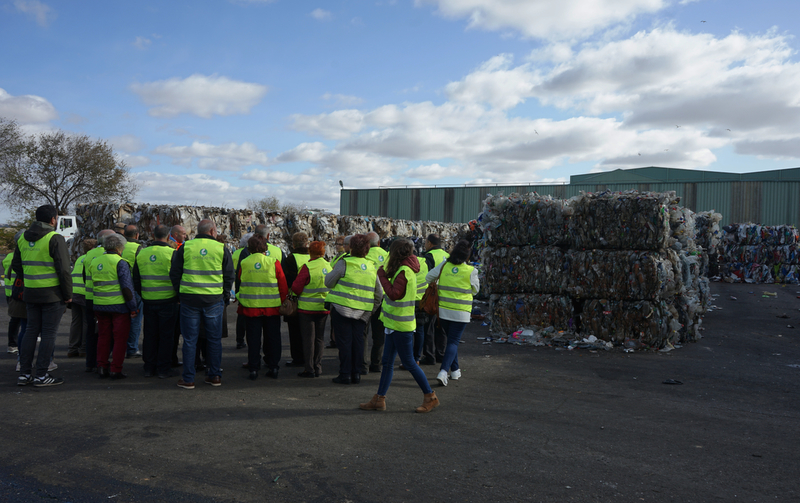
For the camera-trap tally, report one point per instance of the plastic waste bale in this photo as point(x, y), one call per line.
point(525, 269)
point(682, 225)
point(648, 322)
point(707, 231)
point(524, 219)
point(620, 220)
point(511, 312)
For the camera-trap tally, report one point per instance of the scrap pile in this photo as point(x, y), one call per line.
point(233, 223)
point(707, 237)
point(760, 254)
point(617, 266)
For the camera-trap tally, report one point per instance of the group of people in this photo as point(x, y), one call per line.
point(178, 287)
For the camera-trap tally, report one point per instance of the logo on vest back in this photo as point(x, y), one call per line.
point(203, 252)
point(266, 253)
point(152, 258)
point(99, 267)
point(258, 265)
point(31, 244)
point(324, 271)
point(364, 267)
point(455, 270)
point(380, 258)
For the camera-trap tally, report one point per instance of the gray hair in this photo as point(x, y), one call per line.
point(261, 230)
point(114, 242)
point(347, 239)
point(374, 239)
point(206, 226)
point(101, 236)
point(245, 238)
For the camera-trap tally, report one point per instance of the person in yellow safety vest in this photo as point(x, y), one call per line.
point(435, 338)
point(202, 272)
point(15, 323)
point(151, 281)
point(114, 305)
point(354, 290)
point(342, 250)
point(77, 328)
point(90, 335)
point(240, 321)
point(309, 286)
point(291, 266)
point(458, 283)
point(372, 358)
point(261, 287)
point(42, 264)
point(399, 281)
point(132, 249)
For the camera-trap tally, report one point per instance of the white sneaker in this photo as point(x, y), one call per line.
point(454, 375)
point(52, 367)
point(13, 350)
point(442, 377)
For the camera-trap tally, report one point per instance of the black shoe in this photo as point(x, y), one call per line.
point(89, 370)
point(438, 360)
point(427, 361)
point(240, 345)
point(47, 380)
point(115, 376)
point(253, 375)
point(305, 373)
point(317, 374)
point(103, 372)
point(273, 373)
point(149, 373)
point(365, 371)
point(355, 379)
point(295, 363)
point(167, 375)
point(341, 379)
point(332, 345)
point(375, 368)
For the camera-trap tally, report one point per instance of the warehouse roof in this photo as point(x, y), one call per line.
point(655, 174)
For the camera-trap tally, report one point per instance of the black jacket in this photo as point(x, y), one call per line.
point(137, 279)
point(58, 250)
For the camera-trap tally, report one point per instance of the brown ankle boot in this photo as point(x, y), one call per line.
point(377, 403)
point(429, 403)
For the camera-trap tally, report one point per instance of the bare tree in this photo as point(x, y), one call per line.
point(272, 204)
point(61, 169)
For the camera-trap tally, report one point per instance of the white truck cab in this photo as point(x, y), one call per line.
point(67, 226)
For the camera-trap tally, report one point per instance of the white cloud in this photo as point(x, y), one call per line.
point(42, 13)
point(136, 161)
point(496, 83)
point(127, 143)
point(556, 20)
point(26, 109)
point(321, 14)
point(142, 42)
point(342, 100)
point(199, 95)
point(193, 189)
point(435, 172)
point(335, 126)
point(225, 157)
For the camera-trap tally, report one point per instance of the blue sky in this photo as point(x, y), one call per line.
point(215, 102)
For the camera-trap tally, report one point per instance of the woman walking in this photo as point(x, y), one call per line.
point(261, 287)
point(399, 284)
point(458, 283)
point(310, 288)
point(114, 305)
point(354, 291)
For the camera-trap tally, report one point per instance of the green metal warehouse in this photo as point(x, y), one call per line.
point(766, 197)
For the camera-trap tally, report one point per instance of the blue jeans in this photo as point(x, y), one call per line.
point(190, 329)
point(453, 330)
point(400, 343)
point(136, 327)
point(43, 320)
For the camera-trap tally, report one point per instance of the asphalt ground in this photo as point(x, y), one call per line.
point(522, 424)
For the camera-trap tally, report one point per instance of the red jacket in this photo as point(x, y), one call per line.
point(397, 290)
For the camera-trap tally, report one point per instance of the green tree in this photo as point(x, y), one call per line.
point(60, 169)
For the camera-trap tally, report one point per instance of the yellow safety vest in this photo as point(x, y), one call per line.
point(202, 267)
point(235, 256)
point(10, 275)
point(422, 283)
point(399, 314)
point(259, 284)
point(455, 288)
point(356, 289)
point(154, 263)
point(130, 251)
point(314, 293)
point(105, 280)
point(38, 267)
point(78, 287)
point(87, 268)
point(378, 256)
point(439, 256)
point(276, 253)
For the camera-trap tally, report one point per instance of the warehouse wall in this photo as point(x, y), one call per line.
point(765, 202)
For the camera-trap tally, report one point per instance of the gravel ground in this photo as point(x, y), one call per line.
point(522, 424)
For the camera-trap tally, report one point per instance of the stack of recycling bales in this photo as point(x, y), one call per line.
point(707, 237)
point(614, 265)
point(232, 224)
point(760, 254)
